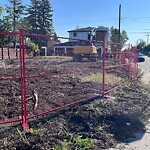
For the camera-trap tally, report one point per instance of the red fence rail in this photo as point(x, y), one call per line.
point(25, 73)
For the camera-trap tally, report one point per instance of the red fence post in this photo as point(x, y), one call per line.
point(103, 69)
point(137, 53)
point(23, 81)
point(129, 64)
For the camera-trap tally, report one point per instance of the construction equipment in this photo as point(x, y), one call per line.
point(85, 50)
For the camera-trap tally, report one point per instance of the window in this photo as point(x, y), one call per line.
point(74, 34)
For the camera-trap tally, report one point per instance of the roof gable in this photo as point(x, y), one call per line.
point(66, 44)
point(87, 29)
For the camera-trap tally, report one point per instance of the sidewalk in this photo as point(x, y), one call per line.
point(146, 76)
point(139, 141)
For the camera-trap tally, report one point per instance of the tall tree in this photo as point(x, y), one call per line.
point(114, 37)
point(15, 11)
point(33, 16)
point(45, 19)
point(141, 45)
point(40, 19)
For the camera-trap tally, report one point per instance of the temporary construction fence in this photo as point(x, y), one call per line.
point(31, 87)
point(118, 66)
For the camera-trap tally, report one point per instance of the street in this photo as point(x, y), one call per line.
point(145, 66)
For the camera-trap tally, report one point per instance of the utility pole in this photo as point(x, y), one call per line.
point(119, 20)
point(147, 38)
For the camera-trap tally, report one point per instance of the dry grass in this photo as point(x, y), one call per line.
point(110, 79)
point(56, 57)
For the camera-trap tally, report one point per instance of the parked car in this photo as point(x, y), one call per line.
point(148, 54)
point(141, 57)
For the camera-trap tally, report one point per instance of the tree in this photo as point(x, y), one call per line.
point(55, 38)
point(33, 16)
point(146, 49)
point(45, 19)
point(114, 38)
point(143, 48)
point(102, 26)
point(40, 17)
point(4, 26)
point(123, 38)
point(40, 20)
point(1, 10)
point(141, 45)
point(15, 13)
point(31, 47)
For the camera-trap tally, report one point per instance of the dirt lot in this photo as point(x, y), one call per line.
point(105, 121)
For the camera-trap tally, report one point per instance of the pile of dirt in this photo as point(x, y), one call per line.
point(105, 121)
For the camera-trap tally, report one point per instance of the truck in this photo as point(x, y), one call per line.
point(86, 50)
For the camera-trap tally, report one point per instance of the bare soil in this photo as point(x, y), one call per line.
point(105, 121)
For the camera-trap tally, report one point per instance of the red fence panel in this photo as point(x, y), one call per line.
point(46, 84)
point(10, 94)
point(118, 66)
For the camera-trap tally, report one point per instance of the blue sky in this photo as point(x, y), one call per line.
point(69, 14)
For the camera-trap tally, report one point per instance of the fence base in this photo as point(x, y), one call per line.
point(106, 96)
point(24, 125)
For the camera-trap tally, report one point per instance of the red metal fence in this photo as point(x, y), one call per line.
point(31, 87)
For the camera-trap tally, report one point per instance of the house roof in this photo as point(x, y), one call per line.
point(102, 29)
point(67, 44)
point(89, 29)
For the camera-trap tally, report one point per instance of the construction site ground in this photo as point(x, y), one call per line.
point(106, 121)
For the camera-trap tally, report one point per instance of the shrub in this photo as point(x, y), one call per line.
point(31, 48)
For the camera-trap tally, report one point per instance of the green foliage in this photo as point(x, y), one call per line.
point(146, 50)
point(83, 144)
point(102, 26)
point(40, 17)
point(75, 142)
point(143, 48)
point(114, 37)
point(55, 38)
point(33, 15)
point(30, 47)
point(15, 12)
point(56, 148)
point(4, 26)
point(141, 45)
point(33, 131)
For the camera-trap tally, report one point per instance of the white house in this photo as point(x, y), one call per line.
point(88, 33)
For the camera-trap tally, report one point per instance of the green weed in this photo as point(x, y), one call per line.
point(74, 142)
